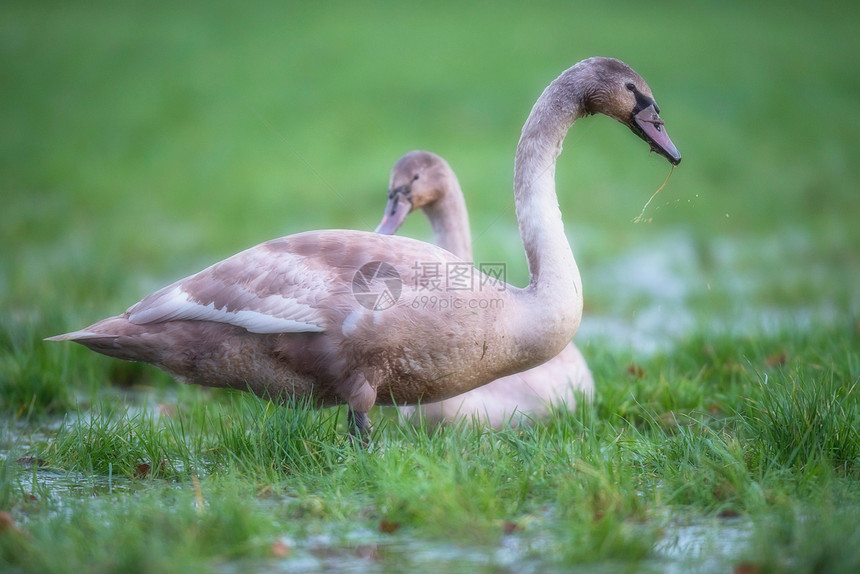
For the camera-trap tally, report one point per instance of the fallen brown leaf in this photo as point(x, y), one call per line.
point(635, 370)
point(387, 526)
point(728, 513)
point(776, 360)
point(141, 470)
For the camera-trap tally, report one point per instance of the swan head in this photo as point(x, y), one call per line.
point(418, 179)
point(614, 89)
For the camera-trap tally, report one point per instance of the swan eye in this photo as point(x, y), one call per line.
point(630, 86)
point(416, 177)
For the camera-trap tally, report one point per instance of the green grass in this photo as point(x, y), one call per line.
point(141, 142)
point(602, 486)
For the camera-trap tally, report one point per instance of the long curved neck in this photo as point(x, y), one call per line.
point(450, 221)
point(554, 276)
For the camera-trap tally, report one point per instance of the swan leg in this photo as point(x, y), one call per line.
point(361, 398)
point(359, 426)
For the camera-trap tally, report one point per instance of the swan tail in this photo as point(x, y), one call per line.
point(115, 337)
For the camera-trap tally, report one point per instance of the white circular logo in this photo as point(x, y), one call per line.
point(377, 285)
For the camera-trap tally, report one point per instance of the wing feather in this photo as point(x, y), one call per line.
point(262, 289)
point(295, 284)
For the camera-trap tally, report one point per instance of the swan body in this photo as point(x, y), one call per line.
point(331, 316)
point(421, 180)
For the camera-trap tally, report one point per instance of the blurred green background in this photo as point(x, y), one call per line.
point(142, 141)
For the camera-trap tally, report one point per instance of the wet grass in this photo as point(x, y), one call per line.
point(222, 477)
point(143, 142)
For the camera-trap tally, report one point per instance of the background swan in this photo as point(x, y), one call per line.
point(421, 180)
point(330, 315)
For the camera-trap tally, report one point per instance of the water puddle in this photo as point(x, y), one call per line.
point(58, 484)
point(702, 546)
point(665, 290)
point(367, 551)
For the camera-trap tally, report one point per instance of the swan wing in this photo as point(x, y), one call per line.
point(264, 289)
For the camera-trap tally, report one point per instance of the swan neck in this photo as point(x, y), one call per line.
point(552, 267)
point(449, 219)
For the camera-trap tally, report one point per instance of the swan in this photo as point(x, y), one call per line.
point(336, 316)
point(421, 180)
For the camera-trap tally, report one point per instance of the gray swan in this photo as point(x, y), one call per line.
point(330, 315)
point(421, 180)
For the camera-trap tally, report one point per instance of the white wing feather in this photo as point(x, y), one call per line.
point(260, 289)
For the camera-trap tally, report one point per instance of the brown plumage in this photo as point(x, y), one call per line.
point(299, 316)
point(421, 180)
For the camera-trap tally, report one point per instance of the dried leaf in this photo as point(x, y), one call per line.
point(635, 370)
point(728, 513)
point(387, 526)
point(776, 360)
point(198, 495)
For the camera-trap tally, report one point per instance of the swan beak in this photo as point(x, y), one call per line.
point(648, 126)
point(396, 211)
